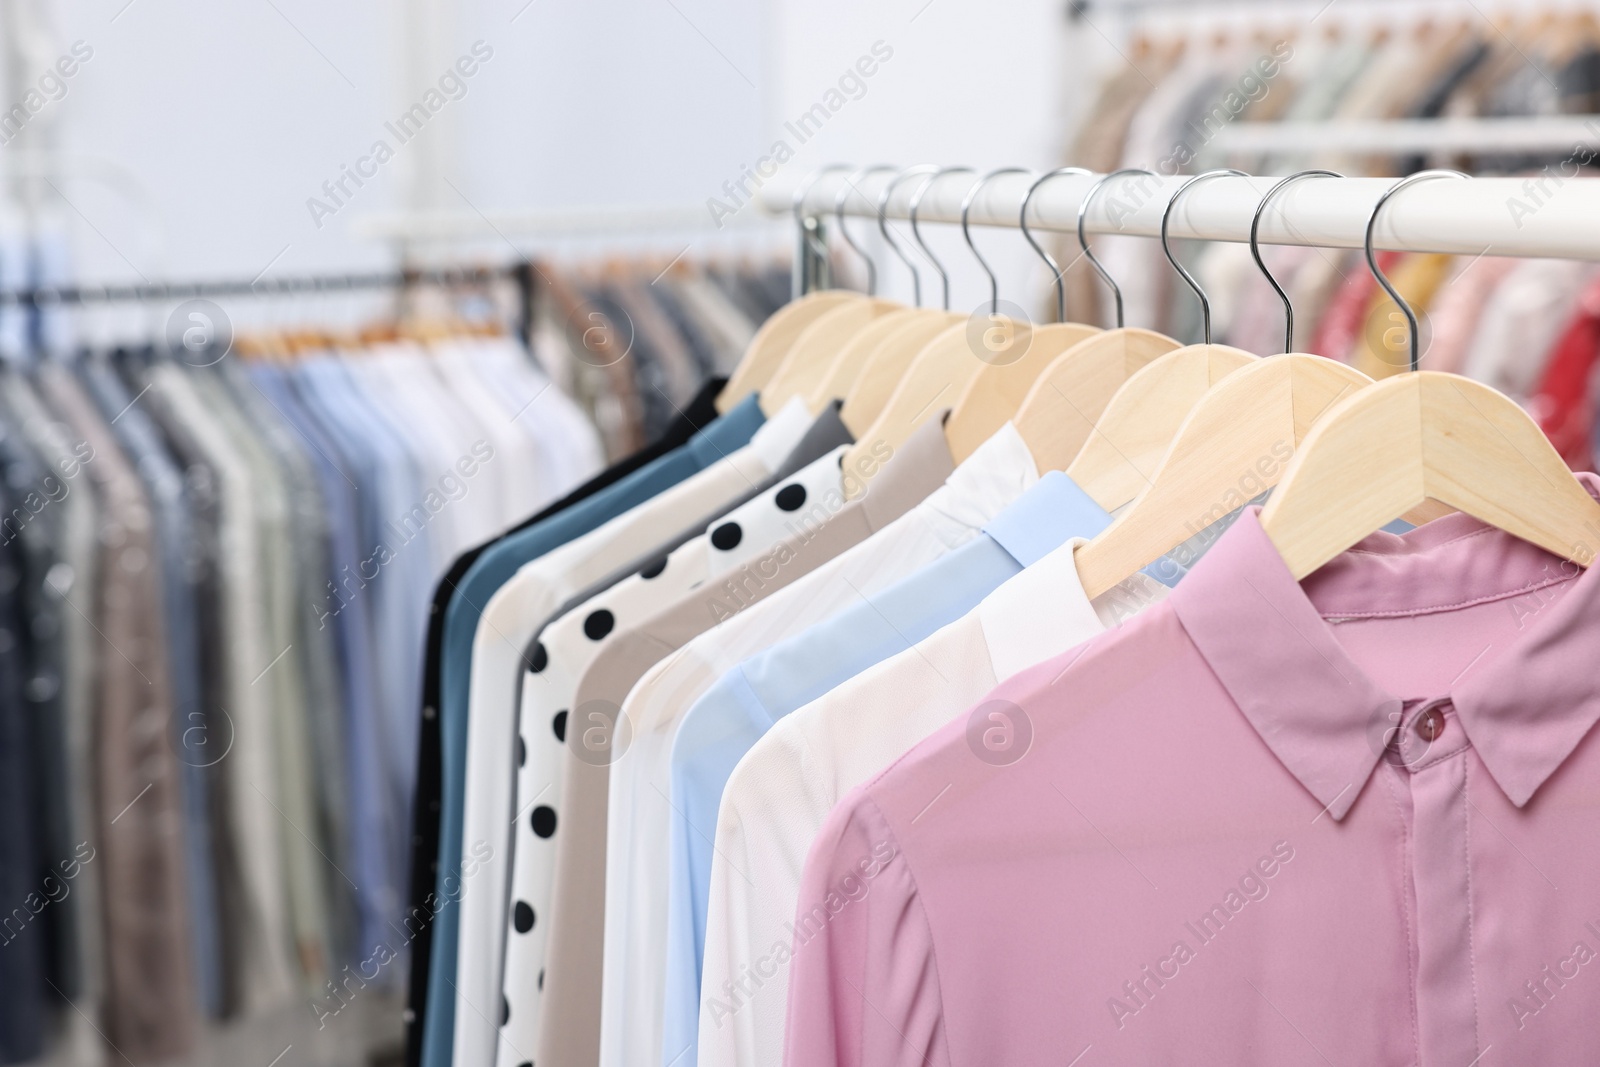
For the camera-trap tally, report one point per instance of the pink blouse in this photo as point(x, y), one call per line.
point(1354, 820)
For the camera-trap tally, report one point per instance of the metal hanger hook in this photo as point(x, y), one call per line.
point(1166, 217)
point(843, 195)
point(916, 202)
point(883, 225)
point(1056, 270)
point(1372, 260)
point(797, 206)
point(1083, 240)
point(1255, 247)
point(966, 233)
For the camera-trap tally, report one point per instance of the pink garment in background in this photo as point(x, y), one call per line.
point(1457, 308)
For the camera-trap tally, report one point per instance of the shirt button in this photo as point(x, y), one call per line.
point(1430, 725)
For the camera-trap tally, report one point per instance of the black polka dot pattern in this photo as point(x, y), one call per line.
point(727, 536)
point(791, 497)
point(541, 979)
point(654, 570)
point(559, 725)
point(522, 752)
point(505, 1010)
point(598, 624)
point(543, 821)
point(522, 917)
point(539, 659)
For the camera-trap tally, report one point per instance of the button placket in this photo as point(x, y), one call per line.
point(1446, 996)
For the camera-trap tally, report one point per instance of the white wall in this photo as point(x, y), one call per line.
point(192, 140)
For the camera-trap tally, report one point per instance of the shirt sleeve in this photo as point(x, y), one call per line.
point(864, 985)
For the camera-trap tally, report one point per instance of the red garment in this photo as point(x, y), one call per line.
point(1341, 324)
point(1562, 403)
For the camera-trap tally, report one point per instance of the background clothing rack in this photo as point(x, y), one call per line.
point(522, 274)
point(1549, 216)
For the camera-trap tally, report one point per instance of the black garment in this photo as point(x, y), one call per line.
point(23, 894)
point(700, 412)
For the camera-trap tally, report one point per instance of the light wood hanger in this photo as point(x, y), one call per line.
point(773, 341)
point(823, 364)
point(1425, 436)
point(888, 364)
point(1015, 352)
point(778, 334)
point(942, 370)
point(1119, 458)
point(846, 366)
point(1233, 445)
point(1061, 408)
point(875, 381)
point(809, 358)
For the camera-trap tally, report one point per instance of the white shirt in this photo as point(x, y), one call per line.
point(784, 787)
point(565, 650)
point(1000, 471)
point(510, 621)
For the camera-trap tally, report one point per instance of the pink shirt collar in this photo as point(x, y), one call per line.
point(1266, 638)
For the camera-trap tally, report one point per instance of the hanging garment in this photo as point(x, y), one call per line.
point(511, 620)
point(563, 652)
point(1387, 747)
point(995, 475)
point(740, 707)
point(426, 811)
point(486, 574)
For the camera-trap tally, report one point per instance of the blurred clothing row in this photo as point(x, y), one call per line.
point(217, 574)
point(634, 341)
point(1165, 105)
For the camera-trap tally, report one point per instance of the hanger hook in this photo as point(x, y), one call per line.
point(883, 225)
point(916, 202)
point(966, 233)
point(797, 206)
point(1255, 247)
point(1083, 241)
point(1055, 268)
point(843, 195)
point(1372, 260)
point(1166, 216)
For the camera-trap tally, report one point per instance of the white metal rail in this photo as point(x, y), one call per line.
point(1551, 216)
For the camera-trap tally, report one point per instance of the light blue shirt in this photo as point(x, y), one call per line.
point(495, 566)
point(744, 703)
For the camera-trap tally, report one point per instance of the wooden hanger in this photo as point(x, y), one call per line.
point(888, 364)
point(1425, 436)
point(773, 341)
point(846, 366)
point(809, 358)
point(942, 370)
point(1419, 437)
point(1119, 458)
point(1060, 411)
point(1121, 455)
point(1001, 388)
point(1233, 445)
point(778, 334)
point(816, 364)
point(1061, 408)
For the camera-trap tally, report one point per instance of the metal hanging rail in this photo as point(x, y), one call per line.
point(47, 296)
point(1550, 215)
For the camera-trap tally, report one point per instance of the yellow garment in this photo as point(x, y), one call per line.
point(1383, 347)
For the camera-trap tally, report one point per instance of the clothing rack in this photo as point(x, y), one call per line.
point(1549, 216)
point(522, 273)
